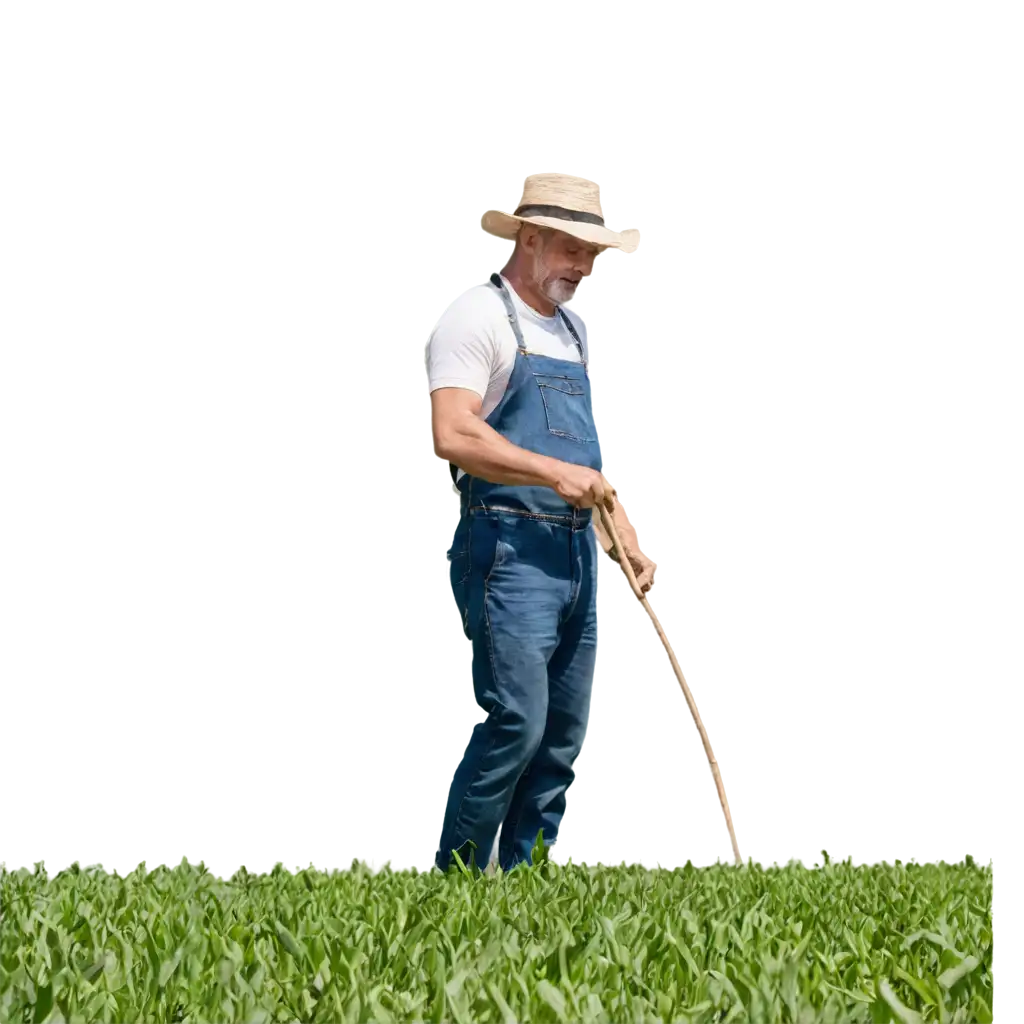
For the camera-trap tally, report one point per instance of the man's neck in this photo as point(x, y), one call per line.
point(527, 291)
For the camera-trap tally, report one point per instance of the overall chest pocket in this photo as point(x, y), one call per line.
point(566, 406)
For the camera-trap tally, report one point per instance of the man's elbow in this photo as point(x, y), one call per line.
point(445, 444)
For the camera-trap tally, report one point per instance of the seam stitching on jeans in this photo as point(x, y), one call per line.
point(494, 676)
point(514, 826)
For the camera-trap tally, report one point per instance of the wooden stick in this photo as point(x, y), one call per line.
point(609, 526)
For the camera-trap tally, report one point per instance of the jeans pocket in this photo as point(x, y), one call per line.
point(458, 559)
point(459, 567)
point(502, 551)
point(484, 545)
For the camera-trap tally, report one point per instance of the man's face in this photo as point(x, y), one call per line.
point(560, 262)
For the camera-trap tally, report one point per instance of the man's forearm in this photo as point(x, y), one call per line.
point(627, 534)
point(478, 449)
point(624, 528)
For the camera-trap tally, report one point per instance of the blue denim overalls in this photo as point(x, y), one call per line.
point(524, 576)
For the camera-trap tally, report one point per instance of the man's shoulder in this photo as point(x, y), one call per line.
point(479, 306)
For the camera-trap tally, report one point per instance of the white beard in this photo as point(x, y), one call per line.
point(558, 290)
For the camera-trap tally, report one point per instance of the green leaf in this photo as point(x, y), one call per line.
point(919, 985)
point(552, 997)
point(948, 978)
point(44, 1003)
point(904, 1014)
point(166, 970)
point(289, 942)
point(507, 1016)
point(93, 969)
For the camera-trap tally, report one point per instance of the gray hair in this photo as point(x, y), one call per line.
point(512, 247)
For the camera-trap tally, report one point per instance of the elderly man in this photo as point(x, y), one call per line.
point(511, 412)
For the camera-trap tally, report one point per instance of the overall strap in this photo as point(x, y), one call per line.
point(517, 331)
point(514, 322)
point(510, 309)
point(575, 336)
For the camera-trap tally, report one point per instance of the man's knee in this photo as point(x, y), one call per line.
point(527, 726)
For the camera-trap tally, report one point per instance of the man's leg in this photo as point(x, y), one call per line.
point(539, 798)
point(513, 609)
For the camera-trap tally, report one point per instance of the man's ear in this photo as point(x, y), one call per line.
point(530, 238)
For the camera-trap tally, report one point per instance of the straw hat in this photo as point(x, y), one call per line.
point(568, 204)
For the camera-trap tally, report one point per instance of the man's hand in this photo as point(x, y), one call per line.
point(643, 568)
point(582, 486)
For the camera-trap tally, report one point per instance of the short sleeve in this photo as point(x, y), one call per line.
point(462, 350)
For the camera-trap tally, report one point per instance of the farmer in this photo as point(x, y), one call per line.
point(511, 413)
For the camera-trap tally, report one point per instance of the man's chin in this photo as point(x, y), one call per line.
point(561, 292)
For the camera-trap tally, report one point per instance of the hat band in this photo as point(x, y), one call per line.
point(560, 212)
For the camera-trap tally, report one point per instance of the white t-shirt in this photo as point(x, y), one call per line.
point(473, 345)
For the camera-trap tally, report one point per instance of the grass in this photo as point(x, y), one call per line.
point(899, 942)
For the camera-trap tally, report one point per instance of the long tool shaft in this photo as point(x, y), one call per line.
point(609, 526)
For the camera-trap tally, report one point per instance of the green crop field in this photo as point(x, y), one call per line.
point(900, 942)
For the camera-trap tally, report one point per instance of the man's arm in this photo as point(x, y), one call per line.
point(461, 357)
point(463, 438)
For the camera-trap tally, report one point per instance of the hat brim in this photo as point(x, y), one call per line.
point(507, 225)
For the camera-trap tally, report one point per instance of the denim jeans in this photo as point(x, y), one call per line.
point(526, 587)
